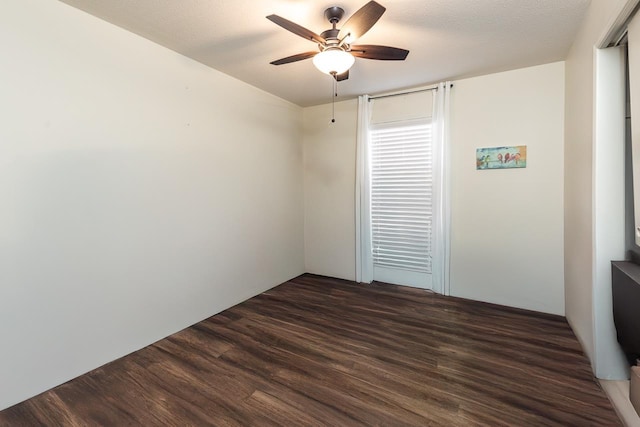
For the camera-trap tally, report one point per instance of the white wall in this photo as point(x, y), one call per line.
point(141, 192)
point(329, 189)
point(507, 224)
point(579, 174)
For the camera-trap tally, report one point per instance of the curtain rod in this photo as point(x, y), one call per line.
point(404, 93)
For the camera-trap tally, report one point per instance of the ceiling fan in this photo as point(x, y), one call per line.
point(336, 53)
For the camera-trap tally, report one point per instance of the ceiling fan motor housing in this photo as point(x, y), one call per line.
point(332, 41)
point(330, 34)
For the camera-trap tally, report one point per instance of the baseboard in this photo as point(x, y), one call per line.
point(618, 394)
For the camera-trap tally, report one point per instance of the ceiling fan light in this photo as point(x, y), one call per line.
point(333, 61)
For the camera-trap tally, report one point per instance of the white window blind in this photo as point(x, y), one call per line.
point(401, 195)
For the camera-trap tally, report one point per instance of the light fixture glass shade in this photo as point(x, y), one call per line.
point(333, 61)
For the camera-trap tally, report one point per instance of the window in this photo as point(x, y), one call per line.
point(401, 202)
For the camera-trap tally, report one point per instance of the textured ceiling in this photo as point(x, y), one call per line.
point(448, 39)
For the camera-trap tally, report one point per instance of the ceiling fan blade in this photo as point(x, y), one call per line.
point(341, 77)
point(296, 29)
point(361, 21)
point(294, 58)
point(384, 53)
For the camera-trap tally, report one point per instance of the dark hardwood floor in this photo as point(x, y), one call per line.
point(320, 351)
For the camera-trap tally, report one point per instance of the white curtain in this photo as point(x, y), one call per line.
point(441, 190)
point(633, 34)
point(364, 260)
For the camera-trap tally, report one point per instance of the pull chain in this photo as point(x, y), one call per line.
point(334, 94)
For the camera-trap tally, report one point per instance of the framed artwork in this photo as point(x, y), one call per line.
point(501, 157)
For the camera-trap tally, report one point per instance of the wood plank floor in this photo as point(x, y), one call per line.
point(320, 351)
